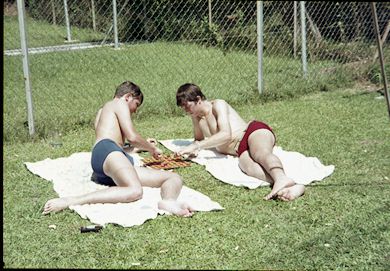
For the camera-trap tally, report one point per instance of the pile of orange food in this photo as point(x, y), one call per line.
point(165, 162)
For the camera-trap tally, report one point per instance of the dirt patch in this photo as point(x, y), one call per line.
point(358, 67)
point(367, 86)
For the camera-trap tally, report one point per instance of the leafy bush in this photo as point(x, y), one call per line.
point(374, 74)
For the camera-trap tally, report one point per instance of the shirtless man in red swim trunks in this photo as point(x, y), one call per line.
point(113, 167)
point(217, 125)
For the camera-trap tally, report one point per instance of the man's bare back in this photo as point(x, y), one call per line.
point(107, 123)
point(113, 121)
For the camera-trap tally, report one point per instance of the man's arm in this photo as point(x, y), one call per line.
point(97, 118)
point(198, 134)
point(128, 129)
point(222, 137)
point(127, 147)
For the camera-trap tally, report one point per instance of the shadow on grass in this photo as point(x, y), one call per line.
point(350, 184)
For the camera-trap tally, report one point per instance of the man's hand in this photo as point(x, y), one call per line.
point(131, 149)
point(156, 153)
point(189, 151)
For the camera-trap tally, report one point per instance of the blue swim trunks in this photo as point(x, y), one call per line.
point(99, 154)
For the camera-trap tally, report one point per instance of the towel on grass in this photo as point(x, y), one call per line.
point(71, 177)
point(302, 169)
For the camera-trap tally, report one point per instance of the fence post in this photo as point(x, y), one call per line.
point(115, 24)
point(303, 30)
point(67, 22)
point(295, 28)
point(26, 70)
point(259, 8)
point(382, 62)
point(53, 10)
point(210, 13)
point(93, 15)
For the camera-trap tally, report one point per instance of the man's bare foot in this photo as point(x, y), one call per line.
point(291, 193)
point(278, 186)
point(55, 205)
point(175, 207)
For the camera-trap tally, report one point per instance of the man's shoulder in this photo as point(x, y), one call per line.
point(219, 103)
point(113, 104)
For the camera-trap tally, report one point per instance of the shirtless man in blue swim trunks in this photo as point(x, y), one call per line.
point(217, 125)
point(113, 167)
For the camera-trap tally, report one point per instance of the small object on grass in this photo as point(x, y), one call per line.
point(52, 226)
point(56, 141)
point(56, 144)
point(91, 228)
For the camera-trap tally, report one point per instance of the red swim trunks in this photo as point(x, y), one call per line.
point(253, 126)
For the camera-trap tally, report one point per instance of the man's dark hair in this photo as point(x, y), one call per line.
point(188, 93)
point(129, 87)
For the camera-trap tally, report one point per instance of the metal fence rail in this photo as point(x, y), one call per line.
point(305, 41)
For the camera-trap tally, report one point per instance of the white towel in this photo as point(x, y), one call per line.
point(71, 176)
point(302, 169)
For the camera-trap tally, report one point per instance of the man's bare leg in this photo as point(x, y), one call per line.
point(253, 169)
point(128, 188)
point(112, 194)
point(129, 180)
point(171, 185)
point(117, 194)
point(261, 143)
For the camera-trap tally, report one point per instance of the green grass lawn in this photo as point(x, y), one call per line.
point(68, 87)
point(341, 223)
point(41, 33)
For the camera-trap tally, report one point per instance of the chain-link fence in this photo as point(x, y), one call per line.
point(80, 50)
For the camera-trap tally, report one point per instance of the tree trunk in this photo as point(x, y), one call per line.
point(383, 39)
point(314, 29)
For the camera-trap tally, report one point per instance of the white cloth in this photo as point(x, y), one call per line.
point(302, 169)
point(71, 176)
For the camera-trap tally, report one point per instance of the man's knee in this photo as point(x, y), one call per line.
point(176, 179)
point(244, 167)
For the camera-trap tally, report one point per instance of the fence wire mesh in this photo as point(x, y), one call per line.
point(78, 55)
